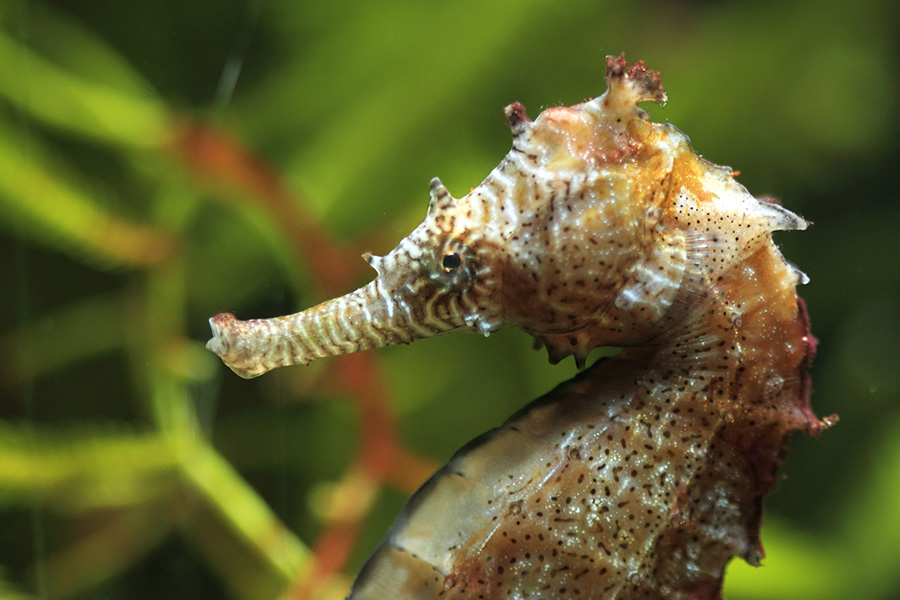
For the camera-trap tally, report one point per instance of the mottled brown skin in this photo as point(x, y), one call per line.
point(643, 476)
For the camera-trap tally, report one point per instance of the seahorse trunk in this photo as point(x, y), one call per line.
point(640, 478)
point(371, 317)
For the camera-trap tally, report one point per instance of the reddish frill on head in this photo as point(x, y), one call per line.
point(643, 81)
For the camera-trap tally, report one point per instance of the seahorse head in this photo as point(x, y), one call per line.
point(599, 227)
point(554, 235)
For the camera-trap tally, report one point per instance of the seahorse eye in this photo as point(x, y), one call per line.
point(451, 262)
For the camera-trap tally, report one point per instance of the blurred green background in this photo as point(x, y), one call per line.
point(161, 162)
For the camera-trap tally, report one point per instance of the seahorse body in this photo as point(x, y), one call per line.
point(643, 476)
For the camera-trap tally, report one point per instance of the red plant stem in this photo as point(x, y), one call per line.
point(215, 155)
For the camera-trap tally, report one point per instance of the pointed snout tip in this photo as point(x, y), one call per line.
point(219, 342)
point(225, 342)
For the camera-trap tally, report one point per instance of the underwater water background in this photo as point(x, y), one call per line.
point(163, 162)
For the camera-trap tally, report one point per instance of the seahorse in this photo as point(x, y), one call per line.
point(644, 475)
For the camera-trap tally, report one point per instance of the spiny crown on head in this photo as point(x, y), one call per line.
point(551, 236)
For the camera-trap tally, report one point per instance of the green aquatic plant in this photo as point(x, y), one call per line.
point(136, 200)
